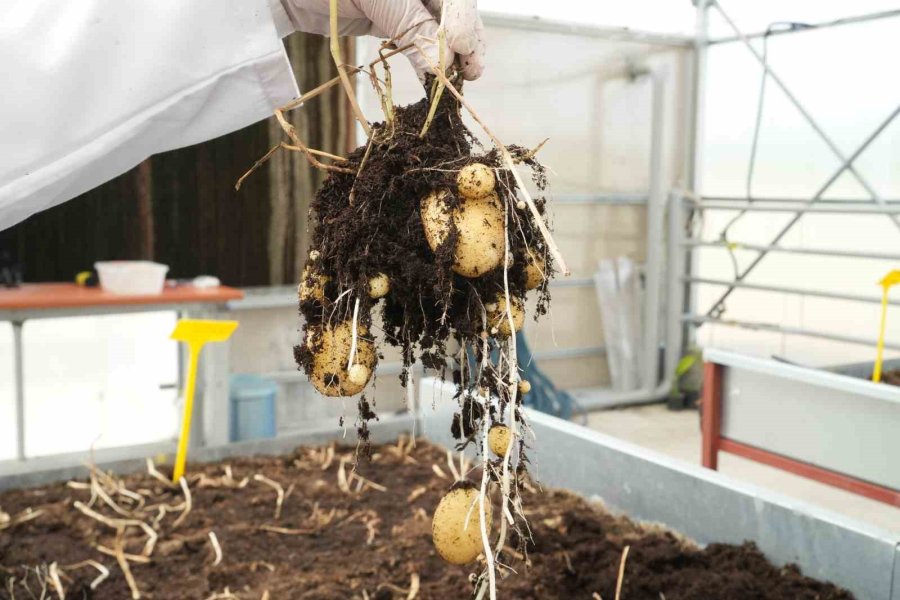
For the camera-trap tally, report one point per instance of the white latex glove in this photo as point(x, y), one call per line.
point(411, 18)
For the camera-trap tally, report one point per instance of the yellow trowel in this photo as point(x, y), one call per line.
point(195, 333)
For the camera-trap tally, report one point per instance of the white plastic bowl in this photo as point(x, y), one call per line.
point(132, 277)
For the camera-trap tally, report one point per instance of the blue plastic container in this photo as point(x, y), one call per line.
point(252, 407)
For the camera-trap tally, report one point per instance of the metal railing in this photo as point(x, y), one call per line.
point(682, 242)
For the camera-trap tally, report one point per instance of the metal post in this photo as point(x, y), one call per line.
point(656, 208)
point(676, 287)
point(695, 175)
point(19, 378)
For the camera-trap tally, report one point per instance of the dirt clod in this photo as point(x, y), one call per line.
point(368, 223)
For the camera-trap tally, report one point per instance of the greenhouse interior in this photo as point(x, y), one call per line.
point(630, 328)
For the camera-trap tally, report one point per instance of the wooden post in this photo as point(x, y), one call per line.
point(143, 183)
point(711, 406)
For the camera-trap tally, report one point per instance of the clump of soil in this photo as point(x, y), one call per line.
point(368, 223)
point(355, 534)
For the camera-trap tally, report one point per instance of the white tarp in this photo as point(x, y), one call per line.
point(90, 88)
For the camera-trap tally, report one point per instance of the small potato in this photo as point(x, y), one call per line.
point(457, 539)
point(359, 374)
point(535, 271)
point(524, 386)
point(312, 285)
point(498, 318)
point(475, 181)
point(498, 439)
point(329, 373)
point(379, 286)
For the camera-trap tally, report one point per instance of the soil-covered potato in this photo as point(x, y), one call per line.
point(436, 217)
point(479, 230)
point(312, 285)
point(475, 181)
point(535, 267)
point(456, 538)
point(498, 439)
point(498, 319)
point(331, 351)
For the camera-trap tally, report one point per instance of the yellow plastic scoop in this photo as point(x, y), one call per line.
point(891, 279)
point(195, 333)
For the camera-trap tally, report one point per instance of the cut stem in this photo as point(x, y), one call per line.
point(342, 72)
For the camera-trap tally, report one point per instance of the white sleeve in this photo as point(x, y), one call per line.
point(93, 87)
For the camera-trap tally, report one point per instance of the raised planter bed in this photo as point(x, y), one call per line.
point(698, 503)
point(834, 426)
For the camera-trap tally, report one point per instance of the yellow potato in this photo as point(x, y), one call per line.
point(312, 287)
point(457, 539)
point(379, 286)
point(498, 439)
point(480, 245)
point(329, 373)
point(479, 223)
point(497, 318)
point(524, 386)
point(535, 271)
point(475, 181)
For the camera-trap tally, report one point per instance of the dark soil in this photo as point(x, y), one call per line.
point(891, 377)
point(360, 544)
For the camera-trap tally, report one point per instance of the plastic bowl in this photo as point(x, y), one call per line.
point(132, 277)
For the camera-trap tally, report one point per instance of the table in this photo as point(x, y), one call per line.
point(56, 300)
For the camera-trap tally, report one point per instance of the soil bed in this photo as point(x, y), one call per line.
point(344, 536)
point(891, 377)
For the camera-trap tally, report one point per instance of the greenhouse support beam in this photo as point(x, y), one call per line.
point(801, 251)
point(875, 16)
point(793, 99)
point(847, 165)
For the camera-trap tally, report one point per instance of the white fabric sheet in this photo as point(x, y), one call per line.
point(90, 88)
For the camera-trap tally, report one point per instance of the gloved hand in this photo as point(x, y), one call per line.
point(406, 19)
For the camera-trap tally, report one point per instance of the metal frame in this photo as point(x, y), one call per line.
point(682, 201)
point(715, 401)
point(813, 26)
point(683, 286)
point(614, 34)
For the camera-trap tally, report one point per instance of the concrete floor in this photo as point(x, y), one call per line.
point(677, 434)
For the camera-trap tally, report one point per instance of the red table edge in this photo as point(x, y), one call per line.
point(713, 443)
point(69, 295)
